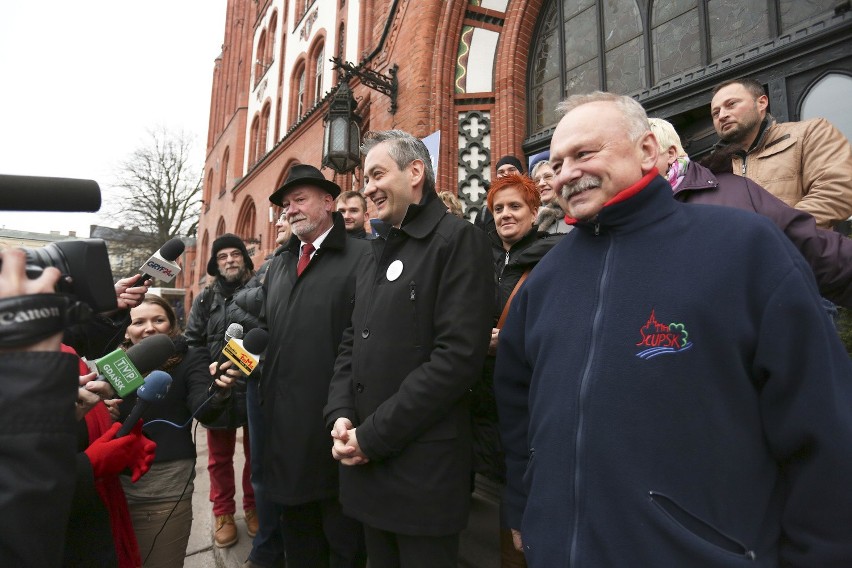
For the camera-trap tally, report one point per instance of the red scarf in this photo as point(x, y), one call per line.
point(109, 488)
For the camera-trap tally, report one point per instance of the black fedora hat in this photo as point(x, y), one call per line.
point(304, 174)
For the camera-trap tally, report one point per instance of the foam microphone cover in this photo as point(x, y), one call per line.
point(234, 331)
point(172, 249)
point(156, 386)
point(151, 353)
point(255, 341)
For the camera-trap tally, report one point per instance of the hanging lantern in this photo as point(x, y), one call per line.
point(342, 135)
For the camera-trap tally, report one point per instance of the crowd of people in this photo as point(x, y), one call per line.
point(633, 344)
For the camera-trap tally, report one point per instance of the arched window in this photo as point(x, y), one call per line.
point(224, 179)
point(297, 92)
point(270, 38)
point(246, 221)
point(264, 130)
point(220, 227)
point(254, 140)
point(318, 72)
point(830, 98)
point(204, 253)
point(260, 64)
point(208, 189)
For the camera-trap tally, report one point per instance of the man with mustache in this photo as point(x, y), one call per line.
point(806, 164)
point(669, 389)
point(309, 291)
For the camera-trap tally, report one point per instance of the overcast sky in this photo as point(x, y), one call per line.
point(83, 82)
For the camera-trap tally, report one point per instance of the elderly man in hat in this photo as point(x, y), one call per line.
point(213, 310)
point(309, 292)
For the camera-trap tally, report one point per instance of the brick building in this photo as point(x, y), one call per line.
point(486, 75)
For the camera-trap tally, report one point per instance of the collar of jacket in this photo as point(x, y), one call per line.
point(647, 201)
point(697, 177)
point(420, 219)
point(497, 243)
point(768, 121)
point(336, 238)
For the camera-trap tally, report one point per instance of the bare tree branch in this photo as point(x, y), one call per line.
point(162, 192)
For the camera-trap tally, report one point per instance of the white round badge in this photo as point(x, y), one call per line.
point(394, 270)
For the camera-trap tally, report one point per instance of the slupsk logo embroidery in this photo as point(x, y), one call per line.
point(662, 338)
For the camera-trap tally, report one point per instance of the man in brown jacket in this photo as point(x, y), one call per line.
point(806, 164)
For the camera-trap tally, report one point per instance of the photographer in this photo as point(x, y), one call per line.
point(37, 421)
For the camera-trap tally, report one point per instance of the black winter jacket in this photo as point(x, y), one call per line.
point(38, 467)
point(211, 314)
point(186, 396)
point(509, 266)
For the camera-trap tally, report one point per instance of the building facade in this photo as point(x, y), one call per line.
point(484, 76)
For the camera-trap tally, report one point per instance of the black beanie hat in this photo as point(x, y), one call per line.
point(510, 160)
point(228, 240)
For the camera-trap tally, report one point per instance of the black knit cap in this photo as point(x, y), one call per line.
point(228, 240)
point(510, 160)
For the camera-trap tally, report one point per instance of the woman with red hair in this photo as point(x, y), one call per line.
point(517, 246)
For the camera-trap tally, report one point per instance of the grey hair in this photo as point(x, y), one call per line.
point(666, 135)
point(634, 114)
point(404, 148)
point(537, 165)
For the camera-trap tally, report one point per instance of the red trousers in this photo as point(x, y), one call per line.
point(220, 466)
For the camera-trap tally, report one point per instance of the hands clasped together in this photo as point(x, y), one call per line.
point(346, 449)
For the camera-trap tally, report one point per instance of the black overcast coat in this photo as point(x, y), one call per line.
point(404, 373)
point(306, 317)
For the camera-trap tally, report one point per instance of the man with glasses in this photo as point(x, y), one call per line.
point(212, 312)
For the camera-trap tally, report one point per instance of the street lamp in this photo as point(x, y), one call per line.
point(342, 137)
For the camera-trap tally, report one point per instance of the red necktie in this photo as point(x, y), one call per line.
point(304, 258)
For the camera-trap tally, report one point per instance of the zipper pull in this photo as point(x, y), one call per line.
point(411, 288)
point(744, 166)
point(505, 262)
point(597, 229)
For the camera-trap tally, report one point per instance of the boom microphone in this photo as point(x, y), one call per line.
point(154, 389)
point(161, 264)
point(35, 193)
point(124, 369)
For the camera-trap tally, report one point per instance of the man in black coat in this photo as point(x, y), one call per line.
point(398, 403)
point(309, 290)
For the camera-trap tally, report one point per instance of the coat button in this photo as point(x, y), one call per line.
point(359, 387)
point(365, 333)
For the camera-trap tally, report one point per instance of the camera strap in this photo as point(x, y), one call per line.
point(28, 319)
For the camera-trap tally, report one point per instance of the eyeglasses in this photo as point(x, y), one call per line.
point(283, 216)
point(545, 177)
point(224, 256)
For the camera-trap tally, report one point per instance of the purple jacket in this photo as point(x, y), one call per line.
point(829, 254)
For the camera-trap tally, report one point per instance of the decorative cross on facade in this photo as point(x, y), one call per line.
point(473, 157)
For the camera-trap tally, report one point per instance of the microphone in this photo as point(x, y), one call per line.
point(161, 264)
point(155, 387)
point(234, 331)
point(124, 369)
point(246, 354)
point(35, 193)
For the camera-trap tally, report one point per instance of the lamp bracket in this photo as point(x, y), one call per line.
point(386, 84)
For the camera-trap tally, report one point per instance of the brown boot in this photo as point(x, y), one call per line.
point(225, 534)
point(251, 522)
